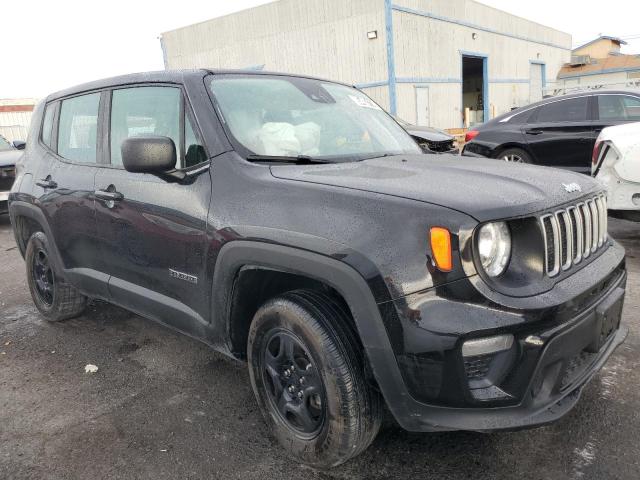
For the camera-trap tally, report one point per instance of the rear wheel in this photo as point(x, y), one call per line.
point(515, 155)
point(55, 299)
point(308, 378)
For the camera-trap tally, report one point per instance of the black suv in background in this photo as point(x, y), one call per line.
point(557, 131)
point(292, 223)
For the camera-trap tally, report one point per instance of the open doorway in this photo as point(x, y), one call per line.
point(474, 90)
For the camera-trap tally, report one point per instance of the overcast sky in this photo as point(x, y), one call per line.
point(53, 44)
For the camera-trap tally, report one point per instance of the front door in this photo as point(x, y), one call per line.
point(560, 134)
point(152, 231)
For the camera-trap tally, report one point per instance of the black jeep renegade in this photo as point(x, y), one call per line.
point(291, 222)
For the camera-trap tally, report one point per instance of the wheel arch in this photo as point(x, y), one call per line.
point(316, 271)
point(253, 285)
point(26, 219)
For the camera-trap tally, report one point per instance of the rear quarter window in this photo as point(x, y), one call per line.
point(47, 124)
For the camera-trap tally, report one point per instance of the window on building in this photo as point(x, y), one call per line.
point(47, 124)
point(78, 130)
point(144, 111)
point(571, 110)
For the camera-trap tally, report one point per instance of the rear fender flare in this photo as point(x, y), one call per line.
point(24, 209)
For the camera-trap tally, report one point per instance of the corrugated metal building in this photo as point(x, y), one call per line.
point(15, 116)
point(429, 61)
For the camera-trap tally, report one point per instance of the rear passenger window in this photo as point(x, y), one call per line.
point(78, 128)
point(47, 124)
point(571, 110)
point(144, 111)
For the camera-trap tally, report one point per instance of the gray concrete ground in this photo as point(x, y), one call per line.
point(165, 406)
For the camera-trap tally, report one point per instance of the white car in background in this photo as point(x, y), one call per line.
point(616, 164)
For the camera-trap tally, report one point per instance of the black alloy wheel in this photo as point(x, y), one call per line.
point(52, 295)
point(43, 277)
point(308, 372)
point(293, 383)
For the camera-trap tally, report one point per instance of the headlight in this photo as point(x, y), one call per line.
point(494, 247)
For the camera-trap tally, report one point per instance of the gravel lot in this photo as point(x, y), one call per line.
point(165, 406)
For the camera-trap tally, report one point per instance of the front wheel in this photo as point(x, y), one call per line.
point(514, 155)
point(308, 377)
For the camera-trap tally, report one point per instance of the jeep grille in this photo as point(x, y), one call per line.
point(573, 233)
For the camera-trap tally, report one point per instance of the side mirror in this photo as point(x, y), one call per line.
point(19, 144)
point(148, 154)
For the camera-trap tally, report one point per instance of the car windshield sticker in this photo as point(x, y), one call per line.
point(364, 102)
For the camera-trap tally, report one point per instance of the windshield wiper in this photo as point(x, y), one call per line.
point(297, 159)
point(379, 156)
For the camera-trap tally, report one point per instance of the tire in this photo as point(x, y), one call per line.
point(515, 155)
point(346, 417)
point(54, 298)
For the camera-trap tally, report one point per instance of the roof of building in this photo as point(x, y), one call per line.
point(602, 37)
point(599, 66)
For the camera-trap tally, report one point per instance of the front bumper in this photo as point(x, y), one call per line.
point(544, 380)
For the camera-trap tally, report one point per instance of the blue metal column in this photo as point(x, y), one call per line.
point(391, 66)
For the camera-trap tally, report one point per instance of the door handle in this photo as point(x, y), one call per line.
point(533, 132)
point(108, 196)
point(47, 183)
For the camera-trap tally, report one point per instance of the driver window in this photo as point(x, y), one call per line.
point(144, 111)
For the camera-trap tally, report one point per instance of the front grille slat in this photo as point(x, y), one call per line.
point(586, 215)
point(572, 234)
point(594, 225)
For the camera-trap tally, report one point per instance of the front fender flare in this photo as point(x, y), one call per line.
point(340, 276)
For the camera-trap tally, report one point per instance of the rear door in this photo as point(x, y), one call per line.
point(65, 186)
point(559, 134)
point(153, 234)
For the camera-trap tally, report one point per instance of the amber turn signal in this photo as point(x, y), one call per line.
point(441, 248)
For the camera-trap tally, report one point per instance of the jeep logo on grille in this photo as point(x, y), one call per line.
point(572, 187)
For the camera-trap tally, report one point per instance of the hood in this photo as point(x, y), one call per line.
point(429, 133)
point(486, 189)
point(9, 157)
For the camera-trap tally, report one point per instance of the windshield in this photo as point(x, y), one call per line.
point(4, 145)
point(291, 116)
